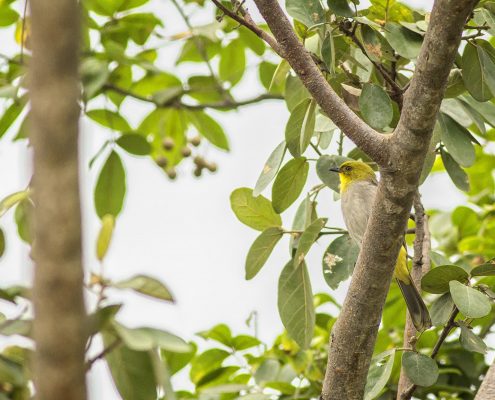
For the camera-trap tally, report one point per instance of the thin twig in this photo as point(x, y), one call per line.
point(315, 148)
point(112, 346)
point(201, 50)
point(396, 89)
point(421, 265)
point(174, 103)
point(248, 22)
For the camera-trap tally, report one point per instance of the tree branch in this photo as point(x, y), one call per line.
point(59, 316)
point(421, 265)
point(248, 22)
point(487, 388)
point(354, 334)
point(175, 103)
point(370, 141)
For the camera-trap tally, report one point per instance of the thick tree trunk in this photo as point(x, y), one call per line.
point(59, 324)
point(487, 388)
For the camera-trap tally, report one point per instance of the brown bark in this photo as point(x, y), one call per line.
point(59, 324)
point(421, 265)
point(400, 157)
point(487, 388)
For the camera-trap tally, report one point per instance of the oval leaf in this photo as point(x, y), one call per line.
point(308, 126)
point(339, 260)
point(441, 309)
point(470, 341)
point(457, 140)
point(210, 129)
point(295, 304)
point(261, 249)
point(105, 236)
point(255, 212)
point(111, 187)
point(375, 106)
point(405, 42)
point(146, 285)
point(141, 339)
point(270, 169)
point(473, 73)
point(294, 127)
point(379, 374)
point(437, 280)
point(307, 239)
point(289, 183)
point(456, 173)
point(109, 119)
point(134, 144)
point(469, 301)
point(11, 200)
point(420, 369)
point(487, 269)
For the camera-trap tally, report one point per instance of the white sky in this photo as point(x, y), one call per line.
point(184, 232)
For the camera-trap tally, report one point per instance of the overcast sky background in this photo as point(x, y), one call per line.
point(183, 232)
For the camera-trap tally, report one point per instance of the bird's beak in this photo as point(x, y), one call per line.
point(334, 169)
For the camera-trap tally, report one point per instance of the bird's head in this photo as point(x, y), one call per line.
point(353, 171)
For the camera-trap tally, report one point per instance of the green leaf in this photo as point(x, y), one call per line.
point(134, 143)
point(457, 140)
point(267, 371)
point(128, 4)
point(251, 40)
point(243, 342)
point(279, 76)
point(305, 215)
point(375, 106)
point(10, 114)
point(261, 250)
point(379, 374)
point(22, 214)
point(441, 309)
point(470, 341)
point(339, 260)
point(469, 301)
point(155, 82)
point(232, 62)
point(289, 183)
point(7, 16)
point(2, 243)
point(340, 8)
point(328, 52)
point(294, 127)
point(221, 333)
point(266, 71)
point(438, 259)
point(431, 154)
point(146, 285)
point(111, 187)
point(420, 369)
point(473, 73)
point(104, 236)
point(308, 12)
point(487, 269)
point(132, 371)
point(308, 126)
point(405, 42)
point(437, 280)
point(109, 119)
point(141, 339)
point(295, 303)
point(177, 361)
point(94, 74)
point(11, 200)
point(270, 169)
point(206, 362)
point(295, 92)
point(307, 239)
point(255, 212)
point(209, 128)
point(101, 318)
point(330, 178)
point(456, 173)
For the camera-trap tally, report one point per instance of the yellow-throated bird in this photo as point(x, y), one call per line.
point(358, 186)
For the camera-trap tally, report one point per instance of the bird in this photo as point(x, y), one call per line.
point(358, 187)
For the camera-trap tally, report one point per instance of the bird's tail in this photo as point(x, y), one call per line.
point(415, 304)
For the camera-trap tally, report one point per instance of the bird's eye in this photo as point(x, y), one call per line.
point(347, 168)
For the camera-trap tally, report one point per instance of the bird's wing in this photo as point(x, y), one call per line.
point(356, 207)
